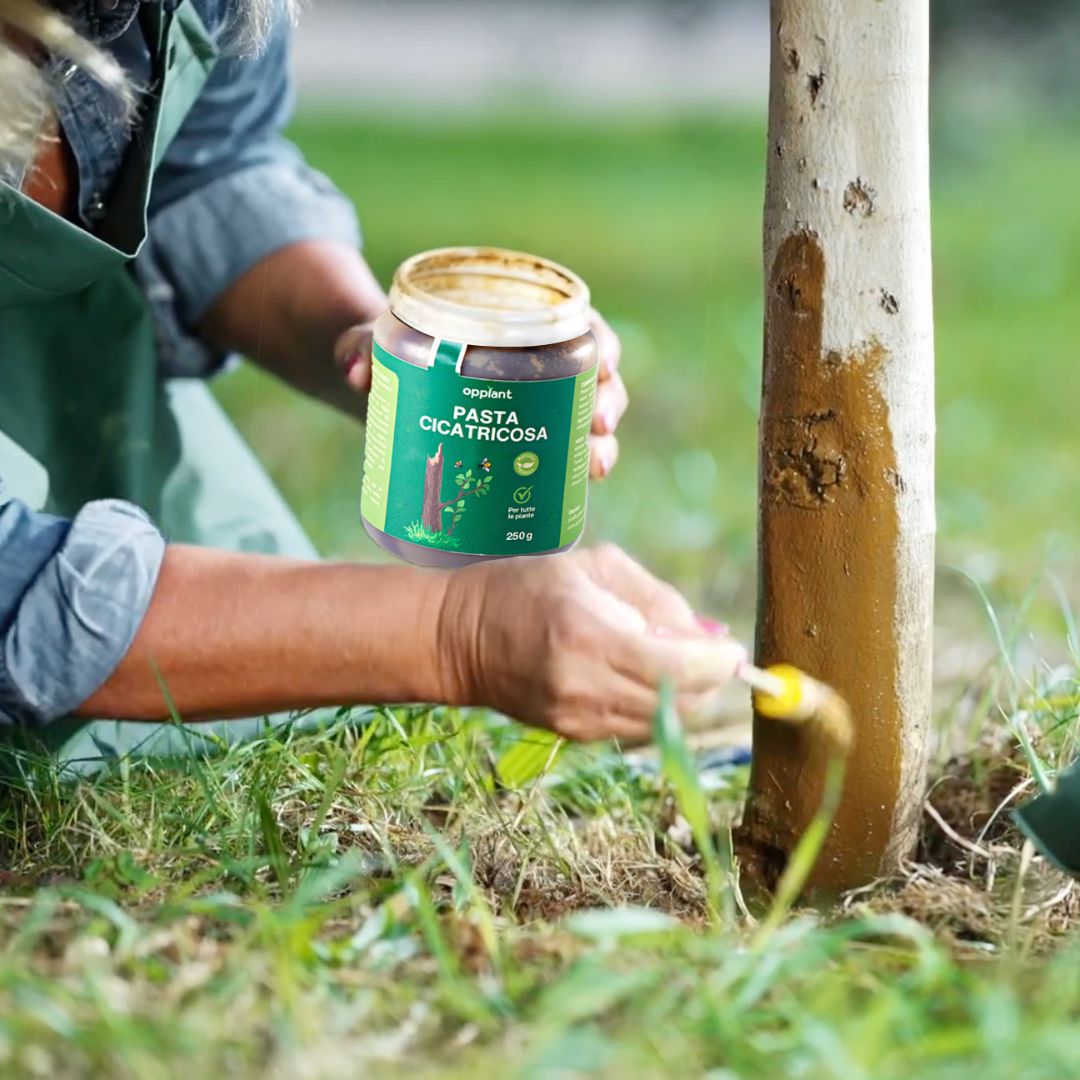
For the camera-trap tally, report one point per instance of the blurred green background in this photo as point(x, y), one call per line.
point(659, 208)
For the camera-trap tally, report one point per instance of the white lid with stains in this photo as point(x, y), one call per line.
point(489, 296)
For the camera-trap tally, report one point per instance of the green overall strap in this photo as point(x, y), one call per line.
point(79, 386)
point(182, 59)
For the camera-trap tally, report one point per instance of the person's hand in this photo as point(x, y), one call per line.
point(611, 401)
point(352, 356)
point(577, 643)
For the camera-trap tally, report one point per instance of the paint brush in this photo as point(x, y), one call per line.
point(785, 693)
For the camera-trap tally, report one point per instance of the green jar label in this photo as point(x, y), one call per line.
point(475, 466)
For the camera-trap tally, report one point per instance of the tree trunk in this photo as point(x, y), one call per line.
point(431, 517)
point(846, 527)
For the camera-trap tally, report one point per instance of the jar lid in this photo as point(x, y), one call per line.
point(489, 296)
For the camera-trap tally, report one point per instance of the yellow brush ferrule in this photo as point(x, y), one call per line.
point(789, 703)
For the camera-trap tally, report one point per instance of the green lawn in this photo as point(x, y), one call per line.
point(369, 901)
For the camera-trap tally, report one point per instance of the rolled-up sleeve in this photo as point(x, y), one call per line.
point(230, 191)
point(73, 595)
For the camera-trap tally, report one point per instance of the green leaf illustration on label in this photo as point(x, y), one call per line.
point(447, 471)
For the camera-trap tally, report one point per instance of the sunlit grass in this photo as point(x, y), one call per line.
point(371, 898)
point(429, 892)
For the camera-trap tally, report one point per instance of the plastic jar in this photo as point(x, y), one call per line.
point(482, 392)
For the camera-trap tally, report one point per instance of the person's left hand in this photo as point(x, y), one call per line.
point(352, 355)
point(611, 401)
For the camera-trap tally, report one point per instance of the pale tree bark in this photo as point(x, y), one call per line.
point(846, 540)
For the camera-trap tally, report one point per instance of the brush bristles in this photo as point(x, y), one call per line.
point(833, 720)
point(806, 701)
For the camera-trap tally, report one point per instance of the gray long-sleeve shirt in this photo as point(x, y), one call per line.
point(72, 597)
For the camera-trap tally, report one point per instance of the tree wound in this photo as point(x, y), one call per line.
point(828, 561)
point(859, 198)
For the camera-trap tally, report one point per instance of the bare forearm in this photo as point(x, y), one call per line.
point(289, 310)
point(242, 635)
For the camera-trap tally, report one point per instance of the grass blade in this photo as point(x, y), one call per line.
point(678, 766)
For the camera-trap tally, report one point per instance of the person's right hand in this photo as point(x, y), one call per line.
point(577, 643)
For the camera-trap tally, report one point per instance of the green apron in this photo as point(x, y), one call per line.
point(82, 400)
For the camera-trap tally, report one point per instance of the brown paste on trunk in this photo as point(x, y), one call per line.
point(827, 580)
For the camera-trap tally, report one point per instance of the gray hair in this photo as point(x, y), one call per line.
point(251, 22)
point(31, 27)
